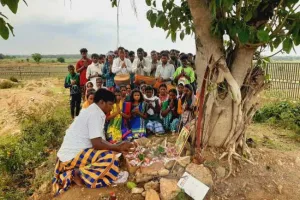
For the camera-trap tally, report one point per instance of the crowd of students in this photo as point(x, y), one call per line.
point(139, 110)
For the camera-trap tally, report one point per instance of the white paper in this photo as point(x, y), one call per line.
point(192, 187)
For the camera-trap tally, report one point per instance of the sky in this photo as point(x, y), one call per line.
point(61, 27)
point(64, 27)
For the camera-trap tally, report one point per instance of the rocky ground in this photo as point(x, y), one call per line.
point(274, 175)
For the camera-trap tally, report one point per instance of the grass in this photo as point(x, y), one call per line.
point(6, 84)
point(42, 132)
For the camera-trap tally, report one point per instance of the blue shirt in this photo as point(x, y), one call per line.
point(109, 77)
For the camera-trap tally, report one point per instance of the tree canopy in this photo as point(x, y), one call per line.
point(257, 23)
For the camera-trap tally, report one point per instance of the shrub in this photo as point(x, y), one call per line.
point(36, 57)
point(42, 132)
point(6, 84)
point(61, 59)
point(13, 79)
point(283, 114)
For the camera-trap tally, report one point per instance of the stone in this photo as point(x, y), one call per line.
point(184, 161)
point(152, 195)
point(142, 177)
point(152, 169)
point(144, 194)
point(169, 164)
point(168, 188)
point(201, 173)
point(137, 190)
point(221, 172)
point(279, 162)
point(152, 185)
point(297, 161)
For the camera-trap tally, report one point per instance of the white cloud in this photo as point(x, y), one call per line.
point(55, 26)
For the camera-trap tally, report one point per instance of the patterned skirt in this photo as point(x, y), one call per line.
point(97, 168)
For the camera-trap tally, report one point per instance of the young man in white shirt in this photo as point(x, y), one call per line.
point(154, 63)
point(164, 72)
point(94, 70)
point(85, 157)
point(121, 65)
point(141, 65)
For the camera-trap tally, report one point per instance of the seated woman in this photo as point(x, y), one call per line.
point(153, 122)
point(89, 98)
point(138, 114)
point(85, 157)
point(163, 94)
point(170, 112)
point(114, 131)
point(187, 103)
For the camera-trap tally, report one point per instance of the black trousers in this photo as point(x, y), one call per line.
point(75, 101)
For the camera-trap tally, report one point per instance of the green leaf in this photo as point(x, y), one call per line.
point(287, 45)
point(213, 8)
point(148, 2)
point(218, 3)
point(154, 3)
point(3, 2)
point(277, 42)
point(188, 30)
point(164, 3)
point(153, 19)
point(160, 19)
point(248, 16)
point(173, 36)
point(149, 14)
point(4, 32)
point(263, 36)
point(169, 32)
point(297, 40)
point(13, 5)
point(228, 4)
point(11, 28)
point(181, 35)
point(243, 35)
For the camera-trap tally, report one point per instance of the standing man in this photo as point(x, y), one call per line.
point(72, 82)
point(81, 67)
point(141, 65)
point(174, 59)
point(94, 70)
point(164, 72)
point(121, 65)
point(85, 157)
point(131, 58)
point(185, 73)
point(154, 63)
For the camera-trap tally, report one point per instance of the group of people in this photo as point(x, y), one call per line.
point(141, 109)
point(113, 115)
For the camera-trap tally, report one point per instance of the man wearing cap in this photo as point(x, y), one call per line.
point(81, 67)
point(184, 74)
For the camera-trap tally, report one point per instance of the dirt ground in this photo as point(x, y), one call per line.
point(27, 95)
point(274, 176)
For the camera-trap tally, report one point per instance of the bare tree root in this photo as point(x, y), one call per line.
point(232, 154)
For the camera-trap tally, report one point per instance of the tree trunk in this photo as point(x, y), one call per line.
point(230, 93)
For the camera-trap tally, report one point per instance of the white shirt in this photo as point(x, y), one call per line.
point(89, 124)
point(136, 66)
point(92, 70)
point(165, 71)
point(117, 66)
